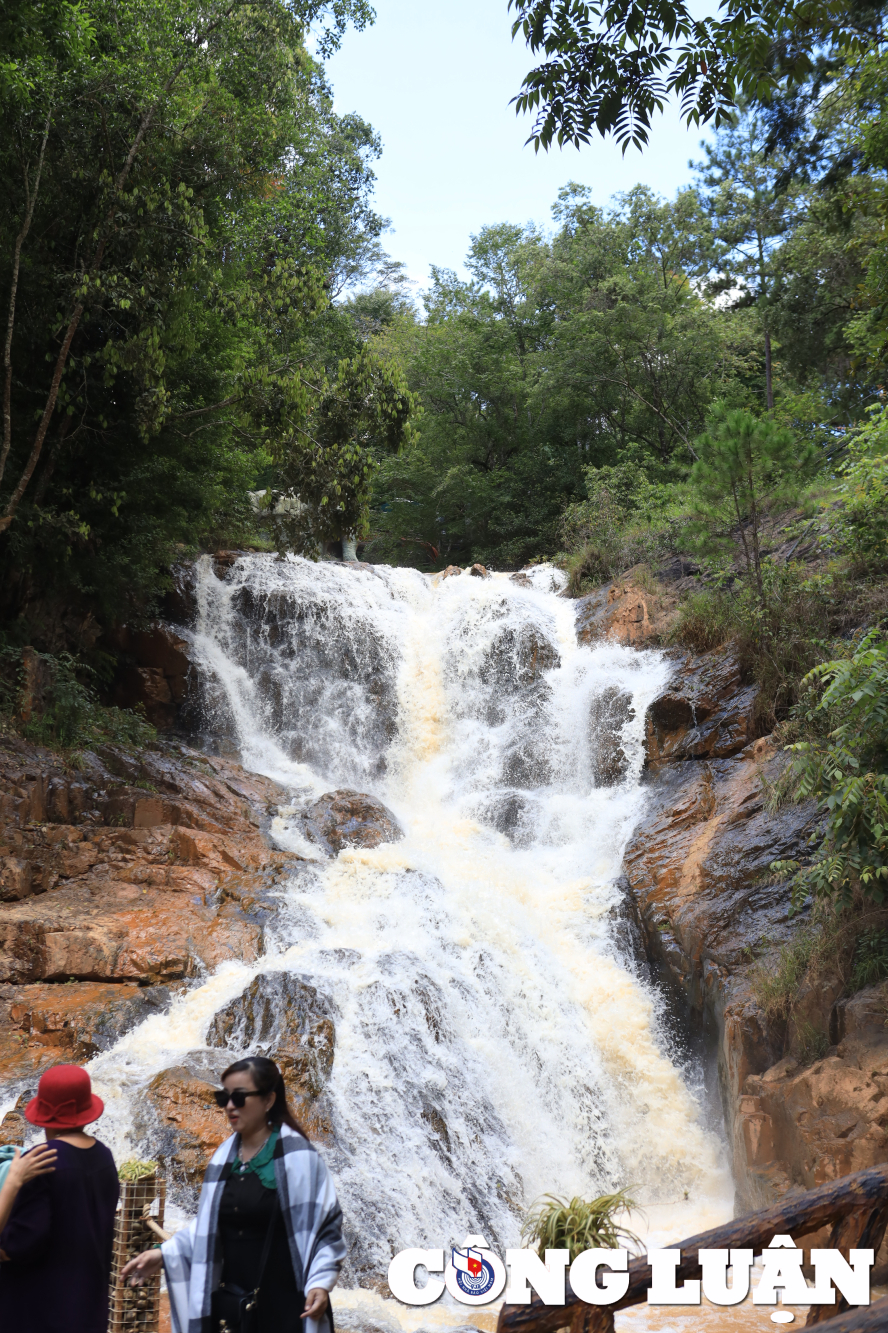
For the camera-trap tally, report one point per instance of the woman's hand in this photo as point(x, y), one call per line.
point(315, 1303)
point(40, 1161)
point(144, 1265)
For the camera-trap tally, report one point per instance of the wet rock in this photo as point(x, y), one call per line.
point(181, 1127)
point(505, 813)
point(479, 572)
point(450, 571)
point(705, 710)
point(517, 659)
point(155, 673)
point(698, 869)
point(348, 818)
point(283, 1016)
point(42, 1025)
point(608, 714)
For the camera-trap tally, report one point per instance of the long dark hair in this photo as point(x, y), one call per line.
point(268, 1078)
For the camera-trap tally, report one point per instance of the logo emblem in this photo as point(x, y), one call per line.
point(474, 1275)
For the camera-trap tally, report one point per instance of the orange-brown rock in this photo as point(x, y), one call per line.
point(131, 869)
point(347, 818)
point(803, 1125)
point(632, 610)
point(698, 874)
point(182, 1126)
point(42, 1025)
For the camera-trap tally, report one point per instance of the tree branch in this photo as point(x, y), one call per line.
point(30, 201)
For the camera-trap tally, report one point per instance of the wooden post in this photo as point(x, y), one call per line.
point(136, 1309)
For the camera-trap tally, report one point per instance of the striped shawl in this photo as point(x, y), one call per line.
point(192, 1259)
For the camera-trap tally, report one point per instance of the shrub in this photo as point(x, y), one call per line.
point(861, 525)
point(847, 773)
point(870, 958)
point(579, 1224)
point(66, 712)
point(743, 465)
point(778, 640)
point(620, 524)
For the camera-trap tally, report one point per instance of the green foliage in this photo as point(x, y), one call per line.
point(63, 710)
point(847, 773)
point(578, 1224)
point(177, 223)
point(609, 67)
point(619, 525)
point(870, 958)
point(861, 525)
point(779, 638)
point(134, 1169)
point(777, 976)
point(744, 465)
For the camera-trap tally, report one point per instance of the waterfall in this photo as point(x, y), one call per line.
point(495, 1040)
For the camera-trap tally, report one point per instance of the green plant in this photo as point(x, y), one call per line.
point(619, 525)
point(777, 976)
point(870, 962)
point(861, 525)
point(63, 708)
point(579, 1224)
point(779, 641)
point(811, 1043)
point(743, 465)
point(847, 773)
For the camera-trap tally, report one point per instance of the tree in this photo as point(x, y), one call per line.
point(610, 66)
point(749, 214)
point(744, 464)
point(171, 334)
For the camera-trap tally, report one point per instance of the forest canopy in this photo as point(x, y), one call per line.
point(199, 309)
point(181, 207)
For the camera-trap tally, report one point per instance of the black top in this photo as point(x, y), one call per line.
point(59, 1239)
point(244, 1215)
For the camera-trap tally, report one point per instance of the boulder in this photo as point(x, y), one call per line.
point(283, 1016)
point(347, 818)
point(517, 658)
point(479, 572)
point(706, 710)
point(181, 1127)
point(608, 714)
point(450, 571)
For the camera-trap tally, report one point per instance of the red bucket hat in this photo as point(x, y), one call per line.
point(65, 1099)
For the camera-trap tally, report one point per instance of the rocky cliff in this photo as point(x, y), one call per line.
point(698, 881)
point(123, 876)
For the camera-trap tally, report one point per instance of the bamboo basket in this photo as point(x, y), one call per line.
point(138, 1224)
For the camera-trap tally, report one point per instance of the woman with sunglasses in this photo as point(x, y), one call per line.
point(266, 1245)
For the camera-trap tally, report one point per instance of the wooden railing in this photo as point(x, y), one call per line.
point(857, 1206)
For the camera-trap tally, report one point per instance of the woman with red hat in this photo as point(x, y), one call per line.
point(55, 1249)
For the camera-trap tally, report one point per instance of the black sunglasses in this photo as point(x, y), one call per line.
point(238, 1098)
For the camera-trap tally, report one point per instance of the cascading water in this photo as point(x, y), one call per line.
point(493, 1041)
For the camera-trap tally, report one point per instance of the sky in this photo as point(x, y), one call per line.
point(435, 80)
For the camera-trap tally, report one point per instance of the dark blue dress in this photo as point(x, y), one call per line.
point(59, 1240)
